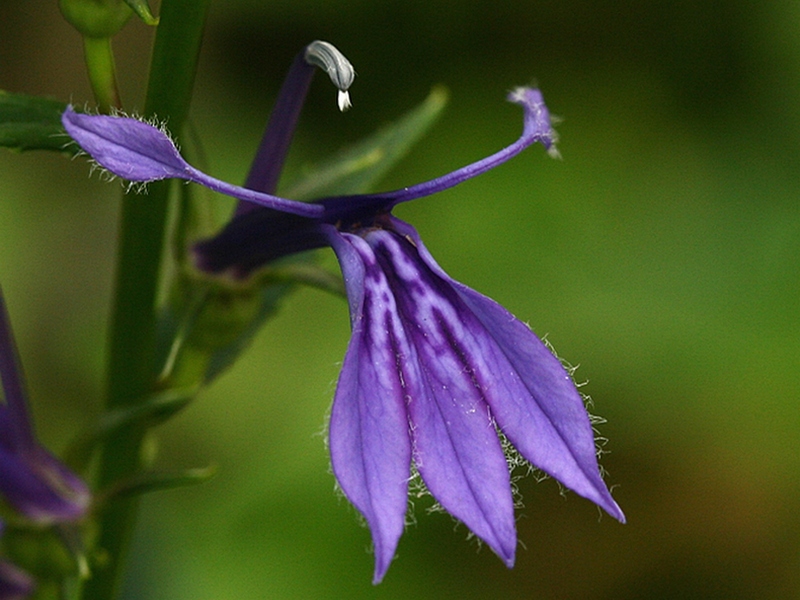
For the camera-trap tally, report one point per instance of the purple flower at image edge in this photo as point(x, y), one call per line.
point(433, 370)
point(34, 482)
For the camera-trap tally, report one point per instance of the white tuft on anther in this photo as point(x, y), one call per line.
point(344, 101)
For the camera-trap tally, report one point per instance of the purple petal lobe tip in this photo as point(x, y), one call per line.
point(126, 147)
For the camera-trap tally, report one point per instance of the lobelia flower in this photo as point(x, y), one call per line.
point(434, 370)
point(32, 481)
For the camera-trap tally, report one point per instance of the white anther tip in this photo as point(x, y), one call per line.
point(344, 100)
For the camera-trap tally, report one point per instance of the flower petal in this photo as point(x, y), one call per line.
point(456, 448)
point(16, 428)
point(129, 148)
point(31, 479)
point(536, 128)
point(254, 238)
point(137, 151)
point(532, 397)
point(369, 438)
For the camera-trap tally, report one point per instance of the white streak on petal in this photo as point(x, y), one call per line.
point(457, 450)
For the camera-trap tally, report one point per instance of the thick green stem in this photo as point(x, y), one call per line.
point(132, 371)
point(102, 72)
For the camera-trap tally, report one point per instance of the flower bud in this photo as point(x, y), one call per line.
point(104, 18)
point(96, 19)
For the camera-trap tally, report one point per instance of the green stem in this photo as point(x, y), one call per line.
point(102, 72)
point(132, 371)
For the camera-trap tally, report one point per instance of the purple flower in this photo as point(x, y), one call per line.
point(434, 370)
point(15, 584)
point(32, 480)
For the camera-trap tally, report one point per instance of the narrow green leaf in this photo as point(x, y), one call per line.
point(32, 123)
point(153, 481)
point(152, 411)
point(142, 10)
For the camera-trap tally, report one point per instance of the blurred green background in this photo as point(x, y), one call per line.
point(661, 255)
